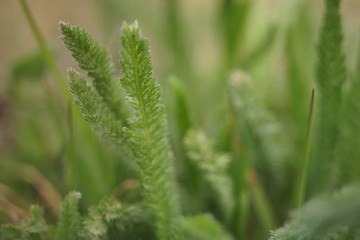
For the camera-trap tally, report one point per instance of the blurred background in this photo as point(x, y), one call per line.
point(44, 152)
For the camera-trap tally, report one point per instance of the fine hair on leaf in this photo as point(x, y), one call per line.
point(147, 132)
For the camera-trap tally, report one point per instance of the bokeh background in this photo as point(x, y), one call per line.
point(202, 43)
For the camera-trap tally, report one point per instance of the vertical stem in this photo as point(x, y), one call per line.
point(240, 164)
point(60, 81)
point(248, 185)
point(49, 61)
point(242, 156)
point(234, 13)
point(176, 41)
point(44, 49)
point(301, 184)
point(261, 203)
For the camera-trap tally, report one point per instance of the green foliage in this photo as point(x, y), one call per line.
point(148, 132)
point(181, 107)
point(107, 211)
point(69, 223)
point(325, 218)
point(347, 152)
point(260, 131)
point(202, 227)
point(213, 170)
point(32, 228)
point(234, 15)
point(107, 220)
point(182, 173)
point(331, 75)
point(30, 67)
point(94, 59)
point(134, 223)
point(111, 220)
point(94, 111)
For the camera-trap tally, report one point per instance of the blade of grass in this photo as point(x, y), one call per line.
point(261, 203)
point(45, 51)
point(60, 80)
point(240, 163)
point(301, 183)
point(55, 105)
point(67, 115)
point(176, 40)
point(233, 16)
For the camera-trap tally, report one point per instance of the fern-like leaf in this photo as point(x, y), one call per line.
point(69, 224)
point(213, 167)
point(324, 218)
point(258, 128)
point(101, 216)
point(148, 132)
point(94, 111)
point(110, 220)
point(348, 152)
point(95, 60)
point(32, 228)
point(331, 75)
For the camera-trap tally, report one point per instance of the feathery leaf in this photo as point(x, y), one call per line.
point(331, 75)
point(101, 215)
point(324, 217)
point(95, 60)
point(148, 132)
point(32, 228)
point(213, 167)
point(347, 168)
point(69, 223)
point(267, 134)
point(95, 112)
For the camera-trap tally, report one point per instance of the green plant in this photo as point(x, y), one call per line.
point(225, 167)
point(331, 76)
point(327, 217)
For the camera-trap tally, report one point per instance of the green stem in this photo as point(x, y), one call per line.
point(240, 164)
point(176, 39)
point(261, 203)
point(53, 105)
point(243, 187)
point(61, 84)
point(301, 184)
point(248, 183)
point(44, 49)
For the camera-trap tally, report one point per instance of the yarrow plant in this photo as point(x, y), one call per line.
point(194, 186)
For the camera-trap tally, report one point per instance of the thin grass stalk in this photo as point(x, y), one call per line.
point(302, 179)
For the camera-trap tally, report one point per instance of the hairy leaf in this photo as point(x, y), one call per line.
point(95, 60)
point(213, 167)
point(148, 132)
point(324, 217)
point(331, 75)
point(69, 224)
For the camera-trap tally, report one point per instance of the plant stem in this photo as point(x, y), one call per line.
point(261, 203)
point(44, 49)
point(301, 183)
point(248, 186)
point(241, 157)
point(61, 84)
point(49, 61)
point(176, 40)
